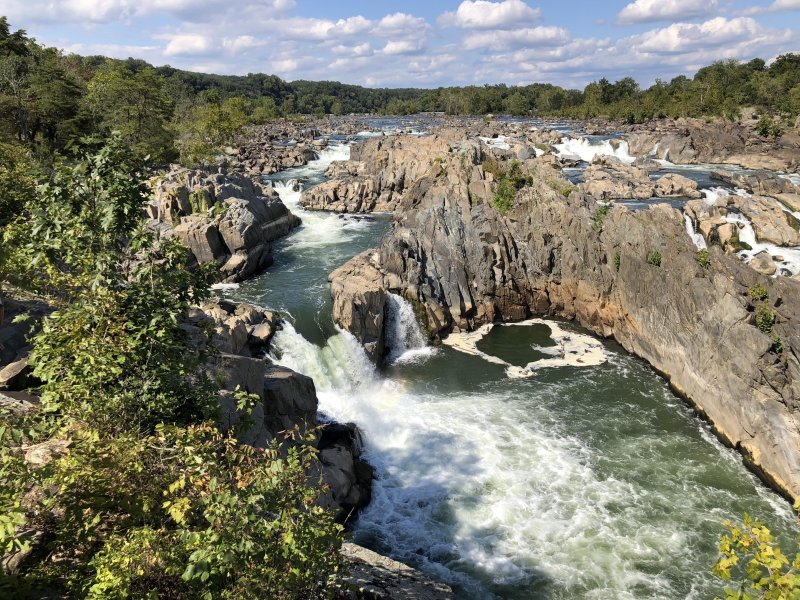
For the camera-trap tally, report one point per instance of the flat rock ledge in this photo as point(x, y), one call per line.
point(377, 577)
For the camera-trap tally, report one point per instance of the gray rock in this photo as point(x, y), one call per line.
point(377, 577)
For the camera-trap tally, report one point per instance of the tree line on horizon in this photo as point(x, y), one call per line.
point(49, 99)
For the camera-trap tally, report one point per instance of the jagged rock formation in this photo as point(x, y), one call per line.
point(763, 183)
point(608, 178)
point(464, 264)
point(771, 223)
point(693, 141)
point(377, 174)
point(223, 217)
point(376, 577)
point(240, 335)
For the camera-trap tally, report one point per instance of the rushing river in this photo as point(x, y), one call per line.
point(578, 482)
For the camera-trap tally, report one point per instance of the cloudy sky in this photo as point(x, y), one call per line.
point(420, 43)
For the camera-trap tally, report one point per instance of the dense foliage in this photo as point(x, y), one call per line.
point(749, 551)
point(123, 472)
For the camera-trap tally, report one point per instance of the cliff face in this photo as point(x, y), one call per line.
point(466, 264)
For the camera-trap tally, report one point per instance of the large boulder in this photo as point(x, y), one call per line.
point(609, 178)
point(222, 217)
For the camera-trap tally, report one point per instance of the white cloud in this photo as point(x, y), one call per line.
point(403, 46)
point(105, 11)
point(188, 45)
point(482, 14)
point(516, 38)
point(685, 37)
point(401, 23)
point(776, 6)
point(648, 11)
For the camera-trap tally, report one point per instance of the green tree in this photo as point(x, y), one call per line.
point(135, 104)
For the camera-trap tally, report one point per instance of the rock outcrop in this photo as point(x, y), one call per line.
point(240, 335)
point(694, 141)
point(378, 173)
point(376, 577)
point(608, 178)
point(223, 217)
point(465, 264)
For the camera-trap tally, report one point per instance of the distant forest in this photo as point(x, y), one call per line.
point(48, 98)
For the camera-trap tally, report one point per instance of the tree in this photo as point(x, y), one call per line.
point(768, 573)
point(142, 495)
point(136, 105)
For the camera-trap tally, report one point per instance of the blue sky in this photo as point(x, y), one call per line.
point(418, 43)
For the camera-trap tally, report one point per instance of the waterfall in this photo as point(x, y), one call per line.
point(587, 150)
point(697, 238)
point(789, 257)
point(404, 337)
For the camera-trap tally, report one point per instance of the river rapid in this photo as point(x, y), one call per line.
point(586, 480)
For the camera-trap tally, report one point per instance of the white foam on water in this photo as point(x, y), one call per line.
point(571, 350)
point(790, 257)
point(587, 150)
point(697, 238)
point(515, 500)
point(404, 337)
point(711, 195)
point(500, 142)
point(224, 287)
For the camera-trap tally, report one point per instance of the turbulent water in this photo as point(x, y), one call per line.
point(578, 482)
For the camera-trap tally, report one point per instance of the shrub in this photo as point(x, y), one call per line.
point(504, 197)
point(777, 343)
point(765, 319)
point(600, 216)
point(703, 259)
point(769, 572)
point(654, 258)
point(617, 259)
point(508, 182)
point(757, 292)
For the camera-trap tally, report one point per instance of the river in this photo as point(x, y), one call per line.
point(576, 482)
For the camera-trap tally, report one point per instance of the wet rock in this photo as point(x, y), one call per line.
point(763, 263)
point(359, 300)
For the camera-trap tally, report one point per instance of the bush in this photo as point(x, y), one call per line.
point(757, 292)
point(508, 182)
point(504, 197)
point(654, 258)
point(765, 319)
point(617, 259)
point(600, 216)
point(703, 258)
point(769, 573)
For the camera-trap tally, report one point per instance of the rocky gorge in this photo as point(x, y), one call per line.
point(633, 276)
point(625, 244)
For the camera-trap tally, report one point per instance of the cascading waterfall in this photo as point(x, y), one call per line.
point(697, 238)
point(789, 257)
point(587, 150)
point(404, 338)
